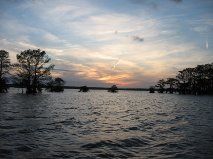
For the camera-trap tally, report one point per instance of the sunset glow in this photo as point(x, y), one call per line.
point(130, 43)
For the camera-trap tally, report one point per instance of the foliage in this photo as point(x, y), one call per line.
point(31, 69)
point(4, 69)
point(172, 83)
point(84, 89)
point(160, 85)
point(113, 89)
point(56, 85)
point(198, 80)
point(152, 89)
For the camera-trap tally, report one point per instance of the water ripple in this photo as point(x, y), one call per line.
point(99, 124)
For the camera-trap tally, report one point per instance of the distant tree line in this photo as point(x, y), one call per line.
point(31, 72)
point(197, 81)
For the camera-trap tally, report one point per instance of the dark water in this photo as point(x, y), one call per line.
point(99, 124)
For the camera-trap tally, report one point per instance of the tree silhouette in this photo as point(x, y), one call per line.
point(31, 68)
point(160, 85)
point(198, 80)
point(84, 89)
point(4, 69)
point(113, 89)
point(56, 85)
point(187, 81)
point(172, 82)
point(152, 89)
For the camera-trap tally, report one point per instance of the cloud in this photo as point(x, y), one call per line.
point(137, 38)
point(152, 4)
point(177, 1)
point(86, 40)
point(50, 37)
point(202, 25)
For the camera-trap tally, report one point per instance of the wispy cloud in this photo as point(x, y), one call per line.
point(177, 1)
point(100, 43)
point(137, 38)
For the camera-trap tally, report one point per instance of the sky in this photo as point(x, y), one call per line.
point(131, 43)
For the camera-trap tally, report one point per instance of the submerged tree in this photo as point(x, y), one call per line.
point(152, 89)
point(198, 80)
point(4, 69)
point(56, 85)
point(84, 89)
point(32, 69)
point(113, 89)
point(172, 82)
point(186, 80)
point(160, 85)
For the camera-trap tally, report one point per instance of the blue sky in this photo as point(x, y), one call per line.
point(132, 43)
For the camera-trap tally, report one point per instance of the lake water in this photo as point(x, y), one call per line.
point(99, 124)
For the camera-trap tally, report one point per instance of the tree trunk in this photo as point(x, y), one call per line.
point(1, 67)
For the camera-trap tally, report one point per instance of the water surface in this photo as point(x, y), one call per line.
point(99, 124)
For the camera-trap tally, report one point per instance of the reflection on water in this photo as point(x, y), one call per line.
point(99, 124)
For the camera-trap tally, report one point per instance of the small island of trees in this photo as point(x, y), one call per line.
point(113, 89)
point(31, 71)
point(196, 81)
point(84, 89)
